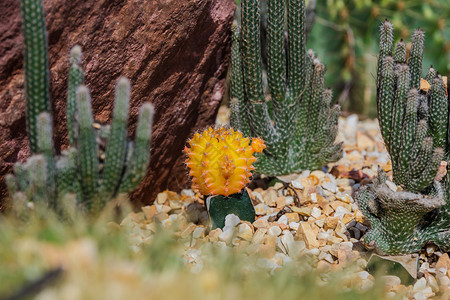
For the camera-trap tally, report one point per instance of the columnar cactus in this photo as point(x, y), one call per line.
point(79, 170)
point(414, 120)
point(299, 122)
point(36, 66)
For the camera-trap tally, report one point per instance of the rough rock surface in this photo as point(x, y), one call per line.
point(173, 51)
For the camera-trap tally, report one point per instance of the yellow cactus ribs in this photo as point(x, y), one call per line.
point(220, 160)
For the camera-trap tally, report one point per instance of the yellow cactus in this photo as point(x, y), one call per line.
point(220, 160)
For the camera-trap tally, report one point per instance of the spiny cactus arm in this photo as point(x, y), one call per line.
point(409, 130)
point(45, 134)
point(251, 49)
point(87, 159)
point(386, 42)
point(140, 158)
point(21, 174)
point(238, 105)
point(438, 112)
point(320, 135)
point(422, 159)
point(116, 149)
point(284, 106)
point(400, 52)
point(430, 74)
point(260, 121)
point(429, 172)
point(76, 78)
point(415, 58)
point(36, 66)
point(399, 112)
point(67, 181)
point(276, 52)
point(421, 133)
point(296, 46)
point(315, 100)
point(11, 184)
point(37, 188)
point(45, 147)
point(443, 240)
point(302, 120)
point(385, 99)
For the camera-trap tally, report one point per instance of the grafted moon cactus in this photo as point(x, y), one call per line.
point(220, 160)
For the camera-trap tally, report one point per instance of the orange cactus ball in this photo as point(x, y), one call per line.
point(220, 160)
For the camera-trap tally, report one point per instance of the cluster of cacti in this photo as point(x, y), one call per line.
point(220, 160)
point(299, 122)
point(83, 170)
point(414, 123)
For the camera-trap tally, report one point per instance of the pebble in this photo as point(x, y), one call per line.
point(232, 220)
point(261, 223)
point(316, 212)
point(274, 230)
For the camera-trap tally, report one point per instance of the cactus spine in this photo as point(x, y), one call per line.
point(299, 124)
point(414, 123)
point(48, 178)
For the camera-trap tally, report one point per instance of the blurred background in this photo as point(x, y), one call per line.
point(345, 38)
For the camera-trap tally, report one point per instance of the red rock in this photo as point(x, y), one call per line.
point(175, 53)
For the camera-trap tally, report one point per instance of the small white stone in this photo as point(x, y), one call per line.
point(341, 211)
point(289, 200)
point(294, 225)
point(363, 274)
point(297, 184)
point(198, 232)
point(188, 192)
point(314, 197)
point(419, 296)
point(313, 251)
point(430, 249)
point(319, 223)
point(260, 209)
point(227, 235)
point(283, 220)
point(323, 236)
point(330, 186)
point(232, 220)
point(245, 232)
point(420, 284)
point(432, 283)
point(258, 196)
point(391, 185)
point(316, 212)
point(274, 230)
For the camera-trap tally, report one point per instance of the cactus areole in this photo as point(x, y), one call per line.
point(220, 160)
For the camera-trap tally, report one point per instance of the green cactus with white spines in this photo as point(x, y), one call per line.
point(48, 178)
point(37, 71)
point(414, 123)
point(299, 123)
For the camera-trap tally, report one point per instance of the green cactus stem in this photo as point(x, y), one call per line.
point(299, 122)
point(36, 66)
point(76, 78)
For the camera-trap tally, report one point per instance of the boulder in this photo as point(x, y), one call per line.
point(175, 52)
